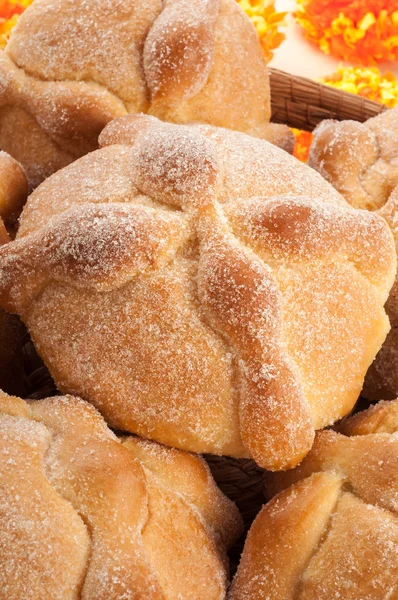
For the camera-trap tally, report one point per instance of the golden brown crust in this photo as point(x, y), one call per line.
point(23, 138)
point(184, 33)
point(180, 60)
point(260, 281)
point(334, 532)
point(105, 512)
point(380, 418)
point(4, 237)
point(13, 193)
point(360, 160)
point(170, 468)
point(282, 539)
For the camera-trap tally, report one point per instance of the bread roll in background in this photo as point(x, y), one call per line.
point(202, 288)
point(361, 161)
point(333, 533)
point(71, 67)
point(86, 515)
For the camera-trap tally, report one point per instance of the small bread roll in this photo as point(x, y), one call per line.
point(333, 534)
point(361, 161)
point(202, 288)
point(86, 515)
point(71, 67)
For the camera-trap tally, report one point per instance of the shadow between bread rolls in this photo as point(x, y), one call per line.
point(13, 194)
point(333, 533)
point(71, 67)
point(202, 288)
point(87, 515)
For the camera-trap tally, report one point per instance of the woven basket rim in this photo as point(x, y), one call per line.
point(303, 103)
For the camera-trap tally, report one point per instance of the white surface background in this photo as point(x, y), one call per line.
point(296, 55)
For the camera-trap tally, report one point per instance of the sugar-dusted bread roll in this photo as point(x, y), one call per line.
point(202, 288)
point(85, 515)
point(361, 161)
point(71, 67)
point(333, 534)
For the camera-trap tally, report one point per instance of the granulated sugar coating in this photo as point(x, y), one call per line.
point(361, 161)
point(332, 531)
point(71, 66)
point(202, 288)
point(84, 516)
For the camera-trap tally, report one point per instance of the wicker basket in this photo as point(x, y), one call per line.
point(302, 103)
point(297, 102)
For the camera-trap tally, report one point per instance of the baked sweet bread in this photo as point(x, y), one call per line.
point(361, 161)
point(85, 515)
point(333, 534)
point(71, 67)
point(202, 288)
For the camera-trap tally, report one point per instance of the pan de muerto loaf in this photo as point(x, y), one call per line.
point(202, 288)
point(333, 534)
point(361, 161)
point(70, 67)
point(85, 515)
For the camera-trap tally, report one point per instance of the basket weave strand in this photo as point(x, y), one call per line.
point(302, 103)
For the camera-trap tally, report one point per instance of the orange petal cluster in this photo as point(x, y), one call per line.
point(359, 31)
point(267, 21)
point(303, 141)
point(9, 14)
point(364, 81)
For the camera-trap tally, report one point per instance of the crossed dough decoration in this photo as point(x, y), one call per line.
point(202, 288)
point(71, 67)
point(361, 161)
point(334, 533)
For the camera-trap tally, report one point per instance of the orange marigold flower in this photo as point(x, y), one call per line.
point(267, 21)
point(359, 31)
point(9, 14)
point(303, 141)
point(366, 81)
